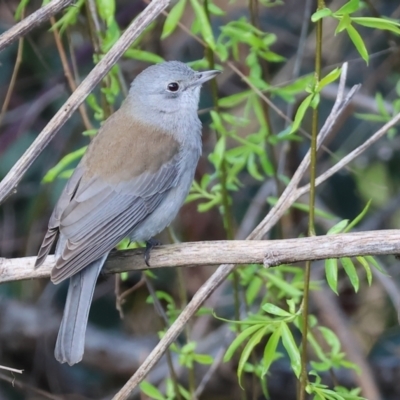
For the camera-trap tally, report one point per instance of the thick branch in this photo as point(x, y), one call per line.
point(35, 19)
point(11, 180)
point(267, 252)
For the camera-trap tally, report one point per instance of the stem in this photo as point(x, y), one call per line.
point(227, 212)
point(159, 308)
point(68, 73)
point(311, 214)
point(13, 79)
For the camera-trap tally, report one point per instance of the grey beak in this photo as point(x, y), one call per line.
point(204, 76)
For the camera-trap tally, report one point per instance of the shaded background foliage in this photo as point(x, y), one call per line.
point(30, 311)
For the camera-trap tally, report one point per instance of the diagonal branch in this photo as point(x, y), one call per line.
point(11, 180)
point(28, 23)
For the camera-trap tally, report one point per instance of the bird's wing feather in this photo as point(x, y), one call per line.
point(124, 175)
point(101, 214)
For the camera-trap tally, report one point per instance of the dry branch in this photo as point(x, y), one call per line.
point(267, 252)
point(35, 19)
point(11, 180)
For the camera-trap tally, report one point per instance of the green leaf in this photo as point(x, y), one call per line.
point(266, 164)
point(234, 100)
point(21, 6)
point(338, 228)
point(351, 272)
point(344, 22)
point(253, 289)
point(283, 285)
point(358, 42)
point(300, 113)
point(106, 10)
point(173, 18)
point(66, 174)
point(240, 339)
point(367, 268)
point(89, 132)
point(63, 163)
point(204, 359)
point(213, 9)
point(149, 390)
point(305, 208)
point(270, 350)
point(293, 351)
point(357, 219)
point(252, 167)
point(142, 55)
point(331, 77)
point(348, 8)
point(325, 12)
point(254, 340)
point(331, 339)
point(331, 272)
point(378, 23)
point(375, 263)
point(275, 310)
point(217, 156)
point(380, 102)
point(205, 27)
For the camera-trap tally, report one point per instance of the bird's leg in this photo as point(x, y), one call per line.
point(149, 245)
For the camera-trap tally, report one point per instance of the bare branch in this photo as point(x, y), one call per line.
point(11, 180)
point(267, 252)
point(28, 23)
point(354, 154)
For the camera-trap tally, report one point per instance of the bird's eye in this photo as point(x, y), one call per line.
point(173, 87)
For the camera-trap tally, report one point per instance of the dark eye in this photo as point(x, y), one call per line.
point(173, 87)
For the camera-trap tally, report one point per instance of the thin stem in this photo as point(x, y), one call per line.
point(160, 310)
point(13, 79)
point(311, 213)
point(183, 303)
point(68, 73)
point(227, 212)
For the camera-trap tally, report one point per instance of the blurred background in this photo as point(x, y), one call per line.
point(30, 311)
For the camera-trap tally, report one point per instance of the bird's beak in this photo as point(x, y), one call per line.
point(204, 76)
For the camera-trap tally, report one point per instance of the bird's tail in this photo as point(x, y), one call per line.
point(71, 336)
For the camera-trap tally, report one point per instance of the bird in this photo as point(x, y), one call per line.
point(130, 183)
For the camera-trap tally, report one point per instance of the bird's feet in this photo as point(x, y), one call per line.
point(149, 245)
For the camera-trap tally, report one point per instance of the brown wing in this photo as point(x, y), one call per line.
point(125, 174)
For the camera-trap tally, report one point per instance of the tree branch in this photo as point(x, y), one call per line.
point(28, 23)
point(267, 252)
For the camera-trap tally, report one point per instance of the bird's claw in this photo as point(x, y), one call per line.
point(149, 245)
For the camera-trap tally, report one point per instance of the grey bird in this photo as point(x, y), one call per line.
point(131, 182)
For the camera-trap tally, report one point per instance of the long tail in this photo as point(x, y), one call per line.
point(71, 336)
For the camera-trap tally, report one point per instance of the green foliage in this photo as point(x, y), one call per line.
point(346, 21)
point(331, 265)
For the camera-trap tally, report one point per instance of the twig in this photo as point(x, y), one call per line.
point(13, 79)
point(267, 252)
point(17, 371)
point(25, 386)
point(68, 72)
point(11, 180)
point(354, 154)
point(35, 19)
point(333, 317)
